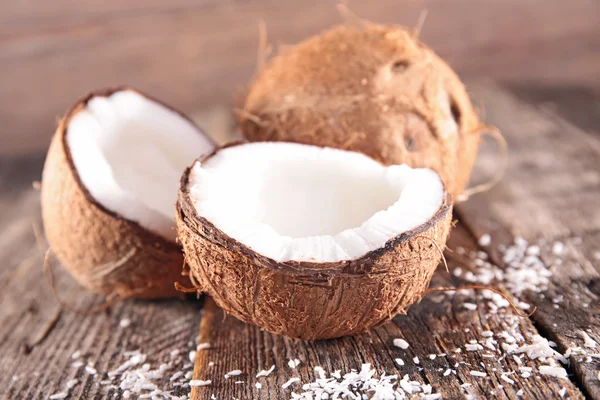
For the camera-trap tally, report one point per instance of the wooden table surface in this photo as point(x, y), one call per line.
point(551, 192)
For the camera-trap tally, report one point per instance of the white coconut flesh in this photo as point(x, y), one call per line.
point(129, 152)
point(294, 202)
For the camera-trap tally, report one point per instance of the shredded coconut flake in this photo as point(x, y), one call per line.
point(550, 370)
point(265, 372)
point(203, 346)
point(403, 344)
point(290, 382)
point(235, 372)
point(587, 340)
point(198, 382)
point(72, 383)
point(478, 373)
point(485, 240)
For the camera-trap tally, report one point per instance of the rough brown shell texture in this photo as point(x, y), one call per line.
point(104, 252)
point(311, 300)
point(372, 88)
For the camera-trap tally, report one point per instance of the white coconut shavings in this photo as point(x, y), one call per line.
point(61, 395)
point(192, 356)
point(473, 347)
point(125, 322)
point(265, 372)
point(76, 355)
point(258, 385)
point(363, 384)
point(562, 392)
point(399, 361)
point(470, 306)
point(403, 344)
point(293, 363)
point(541, 348)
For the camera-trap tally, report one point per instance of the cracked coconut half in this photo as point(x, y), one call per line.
point(109, 188)
point(371, 88)
point(310, 242)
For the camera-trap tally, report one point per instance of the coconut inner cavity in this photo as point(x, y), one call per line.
point(129, 152)
point(297, 202)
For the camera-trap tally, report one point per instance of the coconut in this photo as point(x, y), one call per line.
point(310, 242)
point(108, 192)
point(371, 88)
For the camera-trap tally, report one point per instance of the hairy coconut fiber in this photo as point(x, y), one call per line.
point(374, 89)
point(304, 299)
point(104, 252)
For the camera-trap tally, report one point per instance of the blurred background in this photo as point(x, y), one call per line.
point(196, 55)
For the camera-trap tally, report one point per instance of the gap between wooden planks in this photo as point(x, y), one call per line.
point(550, 191)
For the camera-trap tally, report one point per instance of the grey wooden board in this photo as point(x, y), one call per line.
point(550, 191)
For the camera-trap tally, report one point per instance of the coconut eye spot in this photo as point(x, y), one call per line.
point(455, 111)
point(400, 66)
point(129, 152)
point(290, 201)
point(409, 143)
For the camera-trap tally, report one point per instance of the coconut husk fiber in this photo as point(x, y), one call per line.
point(369, 88)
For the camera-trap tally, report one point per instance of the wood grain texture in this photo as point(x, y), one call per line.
point(195, 54)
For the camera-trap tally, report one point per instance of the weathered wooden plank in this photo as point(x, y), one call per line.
point(438, 326)
point(550, 193)
point(29, 309)
point(36, 341)
point(197, 53)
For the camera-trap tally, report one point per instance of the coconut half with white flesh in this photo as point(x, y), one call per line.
point(109, 187)
point(310, 242)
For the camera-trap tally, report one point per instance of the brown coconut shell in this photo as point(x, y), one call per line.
point(105, 252)
point(304, 299)
point(373, 89)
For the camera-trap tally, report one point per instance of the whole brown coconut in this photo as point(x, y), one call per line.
point(303, 299)
point(104, 251)
point(374, 89)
